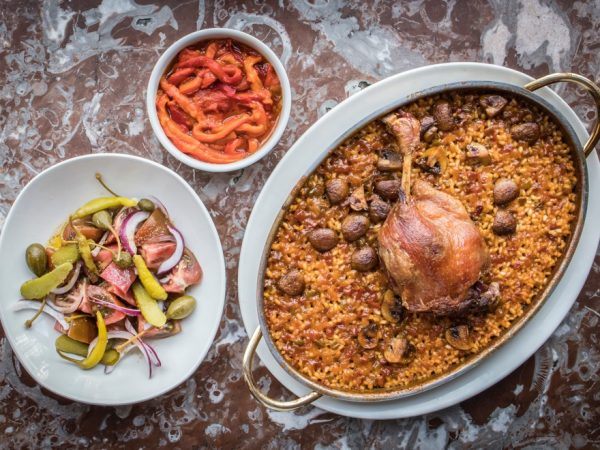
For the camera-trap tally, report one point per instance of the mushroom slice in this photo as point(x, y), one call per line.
point(397, 350)
point(492, 104)
point(389, 161)
point(391, 307)
point(477, 154)
point(358, 201)
point(368, 337)
point(459, 337)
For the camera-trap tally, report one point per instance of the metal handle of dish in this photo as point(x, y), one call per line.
point(584, 82)
point(277, 405)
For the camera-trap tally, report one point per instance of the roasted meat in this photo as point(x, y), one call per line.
point(430, 247)
point(432, 251)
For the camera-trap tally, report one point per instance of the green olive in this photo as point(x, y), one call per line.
point(102, 220)
point(146, 205)
point(36, 258)
point(124, 261)
point(181, 307)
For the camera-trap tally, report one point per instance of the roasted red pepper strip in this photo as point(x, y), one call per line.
point(233, 146)
point(186, 54)
point(177, 77)
point(230, 124)
point(252, 145)
point(184, 102)
point(187, 143)
point(227, 74)
point(192, 85)
point(251, 72)
point(179, 116)
point(211, 50)
point(271, 79)
point(207, 79)
point(259, 118)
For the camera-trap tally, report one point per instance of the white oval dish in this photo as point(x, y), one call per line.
point(302, 158)
point(203, 35)
point(41, 207)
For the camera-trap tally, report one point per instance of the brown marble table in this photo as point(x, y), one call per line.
point(72, 82)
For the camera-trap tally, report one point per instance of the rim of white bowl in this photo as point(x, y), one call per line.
point(218, 33)
point(222, 293)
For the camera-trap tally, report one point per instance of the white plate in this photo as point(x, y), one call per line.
point(42, 206)
point(301, 159)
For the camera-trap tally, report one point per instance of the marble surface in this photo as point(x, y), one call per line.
point(73, 77)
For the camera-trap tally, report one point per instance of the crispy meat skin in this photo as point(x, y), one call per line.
point(430, 247)
point(432, 251)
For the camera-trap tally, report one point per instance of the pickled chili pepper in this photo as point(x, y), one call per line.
point(67, 345)
point(153, 287)
point(84, 248)
point(95, 356)
point(98, 204)
point(104, 185)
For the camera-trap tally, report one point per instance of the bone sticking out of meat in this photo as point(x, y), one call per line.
point(406, 129)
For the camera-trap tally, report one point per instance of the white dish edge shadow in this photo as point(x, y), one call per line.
point(164, 378)
point(299, 160)
point(202, 35)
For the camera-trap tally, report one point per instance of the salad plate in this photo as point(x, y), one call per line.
point(38, 213)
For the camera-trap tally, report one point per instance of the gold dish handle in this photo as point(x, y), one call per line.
point(584, 82)
point(258, 395)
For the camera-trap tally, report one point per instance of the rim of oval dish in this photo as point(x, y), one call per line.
point(218, 33)
point(300, 160)
point(214, 328)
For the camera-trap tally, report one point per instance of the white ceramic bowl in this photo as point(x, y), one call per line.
point(204, 35)
point(41, 207)
point(302, 158)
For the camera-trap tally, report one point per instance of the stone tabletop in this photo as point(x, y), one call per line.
point(72, 82)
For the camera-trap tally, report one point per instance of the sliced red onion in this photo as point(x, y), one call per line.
point(153, 355)
point(69, 285)
point(151, 351)
point(32, 304)
point(117, 334)
point(136, 342)
point(160, 205)
point(127, 231)
point(123, 309)
point(177, 254)
point(100, 242)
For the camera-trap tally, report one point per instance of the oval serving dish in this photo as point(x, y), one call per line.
point(581, 201)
